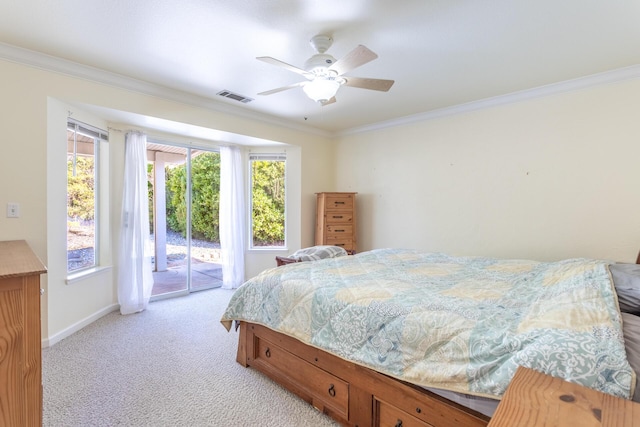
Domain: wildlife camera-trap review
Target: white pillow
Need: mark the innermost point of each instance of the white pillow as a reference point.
(318, 252)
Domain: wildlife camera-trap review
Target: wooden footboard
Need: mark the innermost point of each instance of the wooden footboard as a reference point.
(349, 393)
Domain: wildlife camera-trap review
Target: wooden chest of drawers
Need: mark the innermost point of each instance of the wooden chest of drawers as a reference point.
(534, 399)
(336, 220)
(20, 336)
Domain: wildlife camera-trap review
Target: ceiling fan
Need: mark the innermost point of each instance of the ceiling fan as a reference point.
(325, 74)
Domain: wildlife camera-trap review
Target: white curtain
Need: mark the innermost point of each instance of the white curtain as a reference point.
(232, 217)
(135, 279)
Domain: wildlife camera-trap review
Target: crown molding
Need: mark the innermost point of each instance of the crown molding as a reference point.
(55, 64)
(614, 76)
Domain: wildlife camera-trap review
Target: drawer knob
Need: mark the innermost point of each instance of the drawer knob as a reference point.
(332, 390)
(399, 423)
(418, 410)
(267, 352)
(337, 216)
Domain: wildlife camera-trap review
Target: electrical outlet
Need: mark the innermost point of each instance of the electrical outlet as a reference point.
(13, 210)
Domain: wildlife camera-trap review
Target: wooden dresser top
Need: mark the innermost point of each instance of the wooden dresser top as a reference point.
(535, 400)
(17, 259)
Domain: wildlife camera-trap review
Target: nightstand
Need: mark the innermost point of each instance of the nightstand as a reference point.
(535, 400)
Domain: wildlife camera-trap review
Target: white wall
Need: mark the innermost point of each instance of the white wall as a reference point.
(33, 111)
(547, 178)
(94, 295)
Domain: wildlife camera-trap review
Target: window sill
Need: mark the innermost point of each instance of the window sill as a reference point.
(85, 274)
(268, 249)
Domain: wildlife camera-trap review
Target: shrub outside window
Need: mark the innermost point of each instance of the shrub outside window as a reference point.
(267, 200)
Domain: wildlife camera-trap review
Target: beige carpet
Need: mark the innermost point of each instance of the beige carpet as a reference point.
(172, 365)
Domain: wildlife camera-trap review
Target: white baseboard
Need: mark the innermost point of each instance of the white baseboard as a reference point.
(79, 325)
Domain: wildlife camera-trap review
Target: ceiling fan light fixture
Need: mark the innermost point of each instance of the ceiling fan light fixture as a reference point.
(325, 74)
(320, 89)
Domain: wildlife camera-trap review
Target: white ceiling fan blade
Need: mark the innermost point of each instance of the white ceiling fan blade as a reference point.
(277, 62)
(280, 89)
(328, 101)
(357, 57)
(366, 83)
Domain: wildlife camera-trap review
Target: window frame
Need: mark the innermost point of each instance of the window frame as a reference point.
(98, 136)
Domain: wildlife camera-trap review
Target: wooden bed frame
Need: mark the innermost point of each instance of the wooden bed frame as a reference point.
(351, 394)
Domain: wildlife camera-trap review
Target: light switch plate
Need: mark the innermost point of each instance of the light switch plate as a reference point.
(13, 210)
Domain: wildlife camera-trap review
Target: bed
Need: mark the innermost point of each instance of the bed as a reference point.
(400, 336)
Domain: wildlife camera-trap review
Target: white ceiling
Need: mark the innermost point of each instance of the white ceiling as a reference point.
(440, 53)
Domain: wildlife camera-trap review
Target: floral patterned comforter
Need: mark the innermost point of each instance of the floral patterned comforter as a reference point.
(460, 324)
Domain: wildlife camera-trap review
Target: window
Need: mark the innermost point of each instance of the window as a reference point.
(267, 200)
(83, 144)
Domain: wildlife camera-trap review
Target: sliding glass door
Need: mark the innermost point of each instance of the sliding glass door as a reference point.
(183, 202)
(206, 267)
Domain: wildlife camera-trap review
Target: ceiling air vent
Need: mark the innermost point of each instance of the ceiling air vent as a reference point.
(229, 94)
